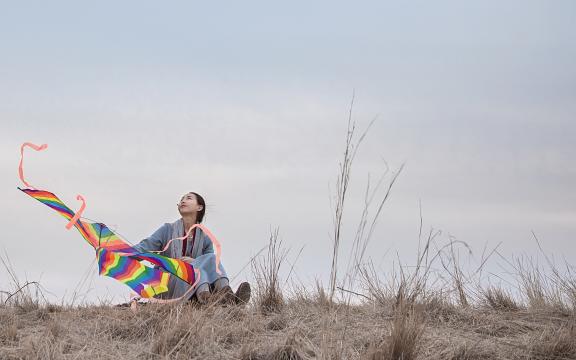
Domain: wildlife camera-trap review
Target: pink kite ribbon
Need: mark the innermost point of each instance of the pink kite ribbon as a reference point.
(74, 219)
(215, 242)
(20, 166)
(78, 214)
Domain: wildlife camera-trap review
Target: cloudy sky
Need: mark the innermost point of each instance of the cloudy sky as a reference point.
(247, 104)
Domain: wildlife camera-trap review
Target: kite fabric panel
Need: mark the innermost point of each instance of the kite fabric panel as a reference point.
(144, 280)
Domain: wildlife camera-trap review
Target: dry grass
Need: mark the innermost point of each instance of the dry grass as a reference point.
(403, 342)
(499, 299)
(268, 295)
(406, 314)
(299, 330)
(467, 351)
(554, 343)
(431, 310)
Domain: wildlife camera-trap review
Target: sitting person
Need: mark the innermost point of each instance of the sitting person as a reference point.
(197, 250)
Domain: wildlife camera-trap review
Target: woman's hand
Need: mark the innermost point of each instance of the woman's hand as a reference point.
(187, 259)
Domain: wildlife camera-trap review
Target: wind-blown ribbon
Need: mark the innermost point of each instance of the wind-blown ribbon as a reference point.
(215, 242)
(20, 166)
(78, 214)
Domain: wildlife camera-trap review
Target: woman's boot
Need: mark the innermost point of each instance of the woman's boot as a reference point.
(225, 295)
(243, 293)
(203, 297)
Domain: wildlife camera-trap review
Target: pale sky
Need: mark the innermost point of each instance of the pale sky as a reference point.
(246, 103)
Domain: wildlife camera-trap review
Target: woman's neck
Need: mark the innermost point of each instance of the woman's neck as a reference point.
(189, 221)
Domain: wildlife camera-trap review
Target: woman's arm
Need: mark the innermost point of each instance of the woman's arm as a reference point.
(154, 242)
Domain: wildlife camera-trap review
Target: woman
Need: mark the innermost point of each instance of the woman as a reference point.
(197, 250)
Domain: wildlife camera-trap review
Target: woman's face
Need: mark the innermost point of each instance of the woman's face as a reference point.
(189, 205)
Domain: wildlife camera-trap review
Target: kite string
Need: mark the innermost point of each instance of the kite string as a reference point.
(21, 165)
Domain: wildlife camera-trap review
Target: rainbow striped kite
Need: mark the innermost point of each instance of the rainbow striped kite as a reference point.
(116, 258)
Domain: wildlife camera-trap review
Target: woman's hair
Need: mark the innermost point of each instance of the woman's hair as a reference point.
(200, 200)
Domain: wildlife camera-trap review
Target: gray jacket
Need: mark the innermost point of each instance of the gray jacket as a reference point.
(158, 240)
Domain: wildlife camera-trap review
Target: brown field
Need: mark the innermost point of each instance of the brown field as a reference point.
(403, 321)
(435, 309)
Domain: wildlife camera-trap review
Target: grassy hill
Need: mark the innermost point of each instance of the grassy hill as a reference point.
(407, 321)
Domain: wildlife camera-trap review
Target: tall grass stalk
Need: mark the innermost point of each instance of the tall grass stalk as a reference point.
(367, 223)
(268, 293)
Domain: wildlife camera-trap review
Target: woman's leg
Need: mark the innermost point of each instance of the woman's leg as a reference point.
(215, 277)
(221, 283)
(203, 293)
